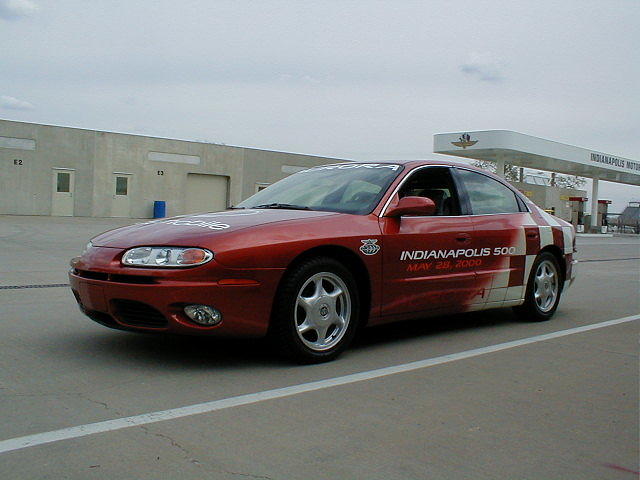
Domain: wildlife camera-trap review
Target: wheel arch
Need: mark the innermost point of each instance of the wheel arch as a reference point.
(351, 261)
(559, 255)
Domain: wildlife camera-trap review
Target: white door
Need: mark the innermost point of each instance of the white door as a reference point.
(62, 195)
(121, 207)
(206, 193)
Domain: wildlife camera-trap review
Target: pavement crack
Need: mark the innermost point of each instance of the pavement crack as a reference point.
(191, 459)
(599, 349)
(104, 405)
(248, 475)
(174, 443)
(618, 353)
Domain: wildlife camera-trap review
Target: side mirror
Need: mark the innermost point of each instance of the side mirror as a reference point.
(418, 206)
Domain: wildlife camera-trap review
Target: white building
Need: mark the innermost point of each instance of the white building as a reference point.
(50, 170)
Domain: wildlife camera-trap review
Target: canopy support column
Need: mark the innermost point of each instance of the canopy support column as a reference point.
(500, 166)
(595, 225)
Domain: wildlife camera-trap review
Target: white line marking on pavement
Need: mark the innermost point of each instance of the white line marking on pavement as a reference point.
(19, 443)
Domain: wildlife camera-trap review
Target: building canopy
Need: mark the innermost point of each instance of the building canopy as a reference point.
(537, 153)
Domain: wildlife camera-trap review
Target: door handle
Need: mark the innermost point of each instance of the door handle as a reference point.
(463, 237)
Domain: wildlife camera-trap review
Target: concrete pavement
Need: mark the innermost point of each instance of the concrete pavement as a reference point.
(562, 408)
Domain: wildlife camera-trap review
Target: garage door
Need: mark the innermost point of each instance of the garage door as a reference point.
(206, 193)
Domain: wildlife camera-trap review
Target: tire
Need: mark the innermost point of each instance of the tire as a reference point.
(316, 311)
(544, 288)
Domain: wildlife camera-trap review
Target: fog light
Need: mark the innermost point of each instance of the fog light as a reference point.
(203, 314)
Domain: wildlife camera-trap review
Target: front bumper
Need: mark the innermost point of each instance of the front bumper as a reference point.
(122, 302)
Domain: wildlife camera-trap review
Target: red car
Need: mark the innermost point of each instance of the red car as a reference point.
(312, 257)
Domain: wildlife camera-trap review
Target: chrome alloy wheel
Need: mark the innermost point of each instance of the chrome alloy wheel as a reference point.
(546, 286)
(322, 311)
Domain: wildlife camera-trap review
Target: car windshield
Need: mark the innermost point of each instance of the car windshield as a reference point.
(347, 188)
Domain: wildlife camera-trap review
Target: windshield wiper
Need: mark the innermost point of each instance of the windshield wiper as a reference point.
(284, 206)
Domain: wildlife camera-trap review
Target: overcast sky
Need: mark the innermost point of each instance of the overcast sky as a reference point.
(349, 79)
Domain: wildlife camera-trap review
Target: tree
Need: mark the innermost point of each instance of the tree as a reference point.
(569, 181)
(512, 174)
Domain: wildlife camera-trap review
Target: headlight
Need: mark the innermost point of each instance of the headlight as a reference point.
(171, 257)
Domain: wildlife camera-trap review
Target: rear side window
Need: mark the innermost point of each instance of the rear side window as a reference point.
(487, 195)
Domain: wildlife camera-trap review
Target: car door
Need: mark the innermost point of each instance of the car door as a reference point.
(425, 263)
(498, 220)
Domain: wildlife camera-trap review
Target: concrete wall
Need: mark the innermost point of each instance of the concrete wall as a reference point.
(155, 180)
(26, 175)
(95, 156)
(263, 166)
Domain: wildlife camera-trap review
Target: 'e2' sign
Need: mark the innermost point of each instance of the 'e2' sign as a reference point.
(17, 161)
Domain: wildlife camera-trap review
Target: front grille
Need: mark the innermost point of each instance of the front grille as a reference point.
(92, 275)
(114, 277)
(138, 314)
(139, 279)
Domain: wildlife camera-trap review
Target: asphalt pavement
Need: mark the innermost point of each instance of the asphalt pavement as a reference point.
(555, 407)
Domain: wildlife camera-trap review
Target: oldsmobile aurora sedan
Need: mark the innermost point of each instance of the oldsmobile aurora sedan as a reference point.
(322, 252)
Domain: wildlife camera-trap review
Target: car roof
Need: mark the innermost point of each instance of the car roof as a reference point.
(411, 164)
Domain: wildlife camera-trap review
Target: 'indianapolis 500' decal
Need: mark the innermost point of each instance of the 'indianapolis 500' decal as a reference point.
(461, 252)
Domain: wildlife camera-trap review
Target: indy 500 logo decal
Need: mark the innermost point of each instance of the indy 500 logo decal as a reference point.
(370, 246)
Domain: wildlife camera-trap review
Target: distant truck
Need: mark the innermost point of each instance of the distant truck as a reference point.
(630, 218)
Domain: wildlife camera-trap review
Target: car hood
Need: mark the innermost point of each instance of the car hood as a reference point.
(197, 229)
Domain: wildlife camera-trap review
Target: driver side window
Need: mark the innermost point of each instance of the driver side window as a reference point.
(434, 183)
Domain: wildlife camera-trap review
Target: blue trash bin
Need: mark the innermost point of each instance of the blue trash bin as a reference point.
(159, 209)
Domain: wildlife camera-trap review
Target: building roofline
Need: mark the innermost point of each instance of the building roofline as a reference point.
(170, 138)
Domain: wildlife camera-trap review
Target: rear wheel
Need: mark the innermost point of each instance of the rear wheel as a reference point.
(316, 311)
(543, 289)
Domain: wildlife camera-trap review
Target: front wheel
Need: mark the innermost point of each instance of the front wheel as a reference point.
(543, 289)
(316, 311)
